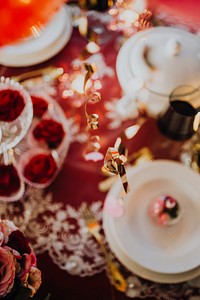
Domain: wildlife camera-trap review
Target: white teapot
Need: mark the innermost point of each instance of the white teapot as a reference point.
(153, 62)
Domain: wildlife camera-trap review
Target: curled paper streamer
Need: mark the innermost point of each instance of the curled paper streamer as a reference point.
(93, 145)
(85, 30)
(114, 162)
(90, 68)
(92, 119)
(92, 149)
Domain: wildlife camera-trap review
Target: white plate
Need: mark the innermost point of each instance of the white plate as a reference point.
(163, 250)
(36, 50)
(139, 270)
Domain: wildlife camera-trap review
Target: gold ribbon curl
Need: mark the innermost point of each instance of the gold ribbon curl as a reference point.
(114, 162)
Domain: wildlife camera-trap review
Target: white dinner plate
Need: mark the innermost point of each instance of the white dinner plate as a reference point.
(36, 50)
(168, 252)
(139, 270)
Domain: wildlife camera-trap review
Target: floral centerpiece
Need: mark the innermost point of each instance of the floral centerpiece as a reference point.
(19, 276)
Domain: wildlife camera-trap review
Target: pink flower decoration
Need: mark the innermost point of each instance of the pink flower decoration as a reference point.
(17, 260)
(7, 271)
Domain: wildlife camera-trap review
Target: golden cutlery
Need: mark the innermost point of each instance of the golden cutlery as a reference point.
(49, 73)
(94, 229)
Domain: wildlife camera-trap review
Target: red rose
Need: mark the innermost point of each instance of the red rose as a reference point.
(18, 242)
(11, 105)
(49, 132)
(39, 106)
(9, 180)
(40, 168)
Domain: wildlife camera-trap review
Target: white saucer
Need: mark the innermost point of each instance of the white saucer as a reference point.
(36, 50)
(164, 254)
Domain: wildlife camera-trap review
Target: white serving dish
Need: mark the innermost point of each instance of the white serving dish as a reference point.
(36, 50)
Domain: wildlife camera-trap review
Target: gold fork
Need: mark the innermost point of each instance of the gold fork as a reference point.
(94, 229)
(142, 156)
(48, 72)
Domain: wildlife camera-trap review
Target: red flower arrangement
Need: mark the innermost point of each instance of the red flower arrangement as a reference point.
(18, 271)
(39, 106)
(11, 105)
(40, 169)
(49, 132)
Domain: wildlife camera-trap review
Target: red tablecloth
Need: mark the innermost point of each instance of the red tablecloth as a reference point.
(78, 180)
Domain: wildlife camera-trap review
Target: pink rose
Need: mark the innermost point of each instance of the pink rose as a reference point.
(7, 271)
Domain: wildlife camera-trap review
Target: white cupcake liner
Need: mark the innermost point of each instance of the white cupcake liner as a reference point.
(56, 113)
(14, 131)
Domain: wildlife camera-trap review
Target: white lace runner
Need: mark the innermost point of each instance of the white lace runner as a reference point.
(58, 229)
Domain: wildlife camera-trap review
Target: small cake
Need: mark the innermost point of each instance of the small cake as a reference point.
(165, 210)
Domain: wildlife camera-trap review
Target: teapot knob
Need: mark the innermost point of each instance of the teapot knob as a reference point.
(173, 47)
